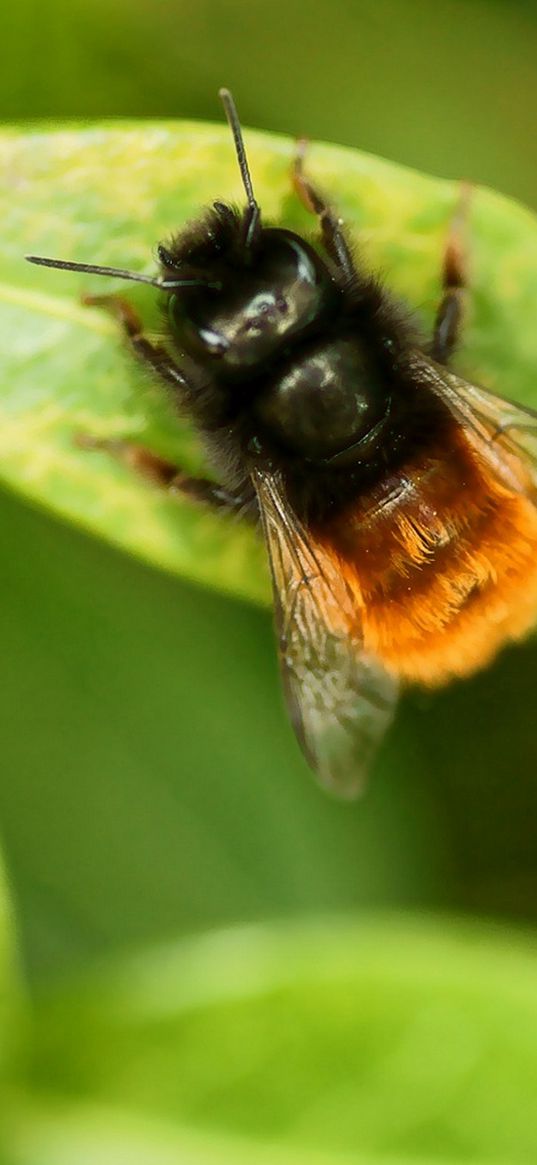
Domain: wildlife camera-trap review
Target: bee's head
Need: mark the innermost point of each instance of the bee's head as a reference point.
(251, 288)
(237, 291)
(243, 306)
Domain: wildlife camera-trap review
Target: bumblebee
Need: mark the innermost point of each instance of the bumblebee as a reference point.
(398, 502)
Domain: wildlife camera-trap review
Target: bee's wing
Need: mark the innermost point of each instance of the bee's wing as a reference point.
(504, 434)
(340, 700)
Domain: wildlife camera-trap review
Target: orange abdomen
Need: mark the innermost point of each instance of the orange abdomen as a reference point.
(442, 559)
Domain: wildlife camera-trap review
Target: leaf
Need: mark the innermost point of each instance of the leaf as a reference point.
(109, 194)
(392, 1041)
(12, 1011)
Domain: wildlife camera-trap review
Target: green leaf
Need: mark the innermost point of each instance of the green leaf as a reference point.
(12, 1023)
(398, 1041)
(108, 194)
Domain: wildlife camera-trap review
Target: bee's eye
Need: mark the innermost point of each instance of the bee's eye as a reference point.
(329, 402)
(285, 292)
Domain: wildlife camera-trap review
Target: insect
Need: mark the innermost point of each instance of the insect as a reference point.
(398, 502)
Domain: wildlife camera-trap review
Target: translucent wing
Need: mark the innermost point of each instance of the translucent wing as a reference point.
(340, 700)
(503, 433)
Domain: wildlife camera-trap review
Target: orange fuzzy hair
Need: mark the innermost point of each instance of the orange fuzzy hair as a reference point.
(442, 560)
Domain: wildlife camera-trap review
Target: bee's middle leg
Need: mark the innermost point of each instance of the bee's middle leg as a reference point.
(170, 477)
(452, 307)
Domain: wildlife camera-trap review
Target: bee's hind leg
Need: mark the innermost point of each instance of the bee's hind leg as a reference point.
(452, 306)
(331, 226)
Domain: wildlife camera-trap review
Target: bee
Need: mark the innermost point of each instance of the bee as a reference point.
(398, 502)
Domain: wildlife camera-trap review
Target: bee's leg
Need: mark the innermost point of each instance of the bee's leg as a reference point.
(154, 468)
(153, 355)
(331, 226)
(451, 310)
(167, 475)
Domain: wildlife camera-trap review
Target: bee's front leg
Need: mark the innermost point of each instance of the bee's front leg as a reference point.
(152, 355)
(451, 309)
(331, 225)
(144, 461)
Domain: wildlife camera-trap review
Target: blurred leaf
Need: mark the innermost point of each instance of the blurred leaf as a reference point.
(70, 1134)
(394, 1041)
(9, 980)
(150, 783)
(108, 194)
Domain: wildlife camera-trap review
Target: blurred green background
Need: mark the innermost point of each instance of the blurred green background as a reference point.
(150, 786)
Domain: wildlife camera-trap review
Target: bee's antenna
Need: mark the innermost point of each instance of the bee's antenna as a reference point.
(254, 212)
(133, 276)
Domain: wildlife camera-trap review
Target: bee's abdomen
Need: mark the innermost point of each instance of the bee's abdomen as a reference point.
(444, 566)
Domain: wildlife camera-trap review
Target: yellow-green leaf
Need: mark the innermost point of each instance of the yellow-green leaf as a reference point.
(108, 194)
